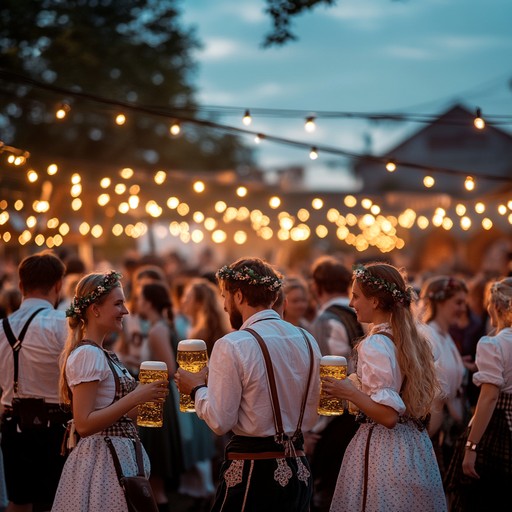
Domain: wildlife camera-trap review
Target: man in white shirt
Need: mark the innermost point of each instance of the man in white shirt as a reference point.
(336, 329)
(32, 460)
(261, 471)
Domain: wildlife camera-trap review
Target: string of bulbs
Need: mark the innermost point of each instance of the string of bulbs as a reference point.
(179, 116)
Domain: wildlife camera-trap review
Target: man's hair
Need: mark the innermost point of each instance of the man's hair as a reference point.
(331, 275)
(40, 271)
(261, 293)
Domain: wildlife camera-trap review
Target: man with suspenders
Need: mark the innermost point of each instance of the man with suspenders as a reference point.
(33, 423)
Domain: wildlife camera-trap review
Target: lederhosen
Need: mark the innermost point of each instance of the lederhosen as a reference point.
(267, 473)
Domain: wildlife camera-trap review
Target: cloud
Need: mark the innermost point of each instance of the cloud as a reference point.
(408, 52)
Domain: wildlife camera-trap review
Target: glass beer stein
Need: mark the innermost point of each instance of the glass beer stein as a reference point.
(192, 356)
(336, 367)
(150, 414)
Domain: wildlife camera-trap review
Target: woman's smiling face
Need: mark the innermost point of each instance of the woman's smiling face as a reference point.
(363, 306)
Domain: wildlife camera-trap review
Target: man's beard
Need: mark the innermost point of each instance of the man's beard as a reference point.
(235, 317)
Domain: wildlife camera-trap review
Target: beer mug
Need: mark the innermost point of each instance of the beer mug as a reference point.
(192, 356)
(336, 367)
(150, 414)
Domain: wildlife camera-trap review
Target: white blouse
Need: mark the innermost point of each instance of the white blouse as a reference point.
(88, 363)
(494, 360)
(378, 369)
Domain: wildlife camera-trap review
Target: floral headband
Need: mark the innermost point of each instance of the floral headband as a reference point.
(80, 304)
(248, 274)
(360, 272)
(450, 287)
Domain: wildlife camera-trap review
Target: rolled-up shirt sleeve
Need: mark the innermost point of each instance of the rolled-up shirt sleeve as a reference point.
(489, 362)
(219, 403)
(379, 372)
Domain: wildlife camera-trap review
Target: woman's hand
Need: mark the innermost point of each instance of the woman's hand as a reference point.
(468, 464)
(337, 388)
(155, 391)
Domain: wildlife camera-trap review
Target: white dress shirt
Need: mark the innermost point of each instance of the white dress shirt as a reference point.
(38, 368)
(238, 395)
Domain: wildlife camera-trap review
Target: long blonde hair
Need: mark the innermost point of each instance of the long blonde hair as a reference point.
(414, 354)
(77, 323)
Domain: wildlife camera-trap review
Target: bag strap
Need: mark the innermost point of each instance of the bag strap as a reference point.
(274, 398)
(117, 464)
(16, 342)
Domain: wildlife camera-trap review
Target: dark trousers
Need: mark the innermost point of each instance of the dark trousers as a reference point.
(327, 457)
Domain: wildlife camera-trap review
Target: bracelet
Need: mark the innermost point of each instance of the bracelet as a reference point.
(471, 446)
(194, 390)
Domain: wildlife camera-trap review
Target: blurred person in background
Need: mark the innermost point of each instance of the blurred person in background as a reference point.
(443, 303)
(163, 444)
(336, 329)
(135, 330)
(201, 303)
(296, 301)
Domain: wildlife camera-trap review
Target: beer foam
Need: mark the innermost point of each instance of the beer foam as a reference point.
(333, 361)
(153, 365)
(191, 345)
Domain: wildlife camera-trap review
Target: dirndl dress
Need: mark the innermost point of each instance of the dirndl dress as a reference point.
(89, 480)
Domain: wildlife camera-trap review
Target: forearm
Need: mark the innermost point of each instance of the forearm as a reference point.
(99, 420)
(382, 414)
(483, 411)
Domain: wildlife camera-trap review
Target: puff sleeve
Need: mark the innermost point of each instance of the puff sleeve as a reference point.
(489, 361)
(86, 364)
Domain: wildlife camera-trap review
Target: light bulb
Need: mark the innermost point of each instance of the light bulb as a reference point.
(313, 154)
(247, 119)
(478, 121)
(469, 184)
(310, 125)
(391, 166)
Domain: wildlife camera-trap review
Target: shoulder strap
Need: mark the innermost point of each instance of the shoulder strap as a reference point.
(117, 464)
(109, 361)
(16, 342)
(278, 420)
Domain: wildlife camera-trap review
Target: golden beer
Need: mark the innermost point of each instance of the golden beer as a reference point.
(150, 414)
(336, 367)
(192, 356)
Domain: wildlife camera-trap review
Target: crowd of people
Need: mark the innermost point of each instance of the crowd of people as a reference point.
(429, 386)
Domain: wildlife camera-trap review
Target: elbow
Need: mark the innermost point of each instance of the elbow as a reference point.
(390, 423)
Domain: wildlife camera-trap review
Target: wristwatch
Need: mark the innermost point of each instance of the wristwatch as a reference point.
(471, 446)
(193, 392)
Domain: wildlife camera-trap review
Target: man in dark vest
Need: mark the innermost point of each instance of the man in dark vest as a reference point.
(336, 329)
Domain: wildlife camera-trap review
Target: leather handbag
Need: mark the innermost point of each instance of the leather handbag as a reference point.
(137, 489)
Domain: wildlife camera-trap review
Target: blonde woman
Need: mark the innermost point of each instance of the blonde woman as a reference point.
(480, 471)
(390, 462)
(103, 404)
(444, 301)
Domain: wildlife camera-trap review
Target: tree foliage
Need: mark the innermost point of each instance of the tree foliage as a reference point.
(134, 51)
(282, 13)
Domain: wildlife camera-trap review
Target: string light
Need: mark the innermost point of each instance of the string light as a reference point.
(391, 166)
(62, 111)
(120, 119)
(313, 154)
(175, 129)
(469, 184)
(310, 125)
(247, 119)
(258, 138)
(478, 121)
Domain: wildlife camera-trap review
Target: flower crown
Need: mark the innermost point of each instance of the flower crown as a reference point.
(80, 304)
(361, 273)
(248, 274)
(450, 287)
